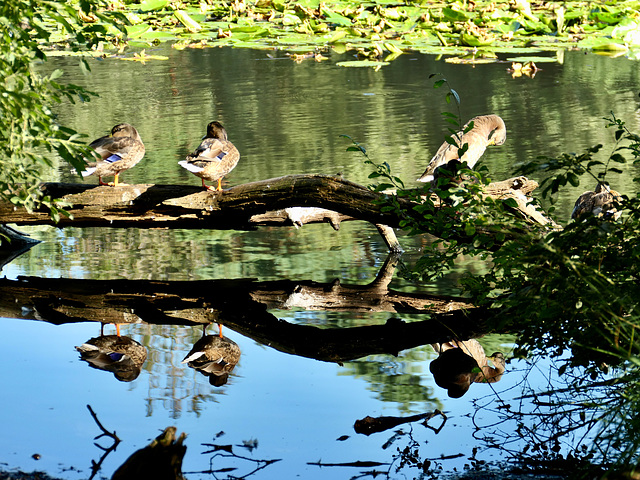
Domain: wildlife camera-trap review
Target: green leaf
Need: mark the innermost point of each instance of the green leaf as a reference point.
(510, 202)
(362, 63)
(153, 5)
(469, 229)
(454, 15)
(573, 179)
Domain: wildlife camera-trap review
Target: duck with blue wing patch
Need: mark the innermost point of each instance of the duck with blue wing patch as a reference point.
(118, 152)
(214, 158)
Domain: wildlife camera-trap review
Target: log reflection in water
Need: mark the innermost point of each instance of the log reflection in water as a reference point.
(242, 305)
(160, 460)
(369, 425)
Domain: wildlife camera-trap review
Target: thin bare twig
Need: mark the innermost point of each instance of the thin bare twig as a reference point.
(96, 466)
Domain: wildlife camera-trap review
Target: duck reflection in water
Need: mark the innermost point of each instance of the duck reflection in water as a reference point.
(459, 364)
(215, 356)
(121, 355)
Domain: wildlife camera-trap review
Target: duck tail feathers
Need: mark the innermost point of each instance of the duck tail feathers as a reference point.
(88, 171)
(192, 357)
(190, 166)
(425, 178)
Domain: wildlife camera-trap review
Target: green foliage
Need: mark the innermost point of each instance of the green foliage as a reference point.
(574, 288)
(382, 30)
(571, 293)
(29, 134)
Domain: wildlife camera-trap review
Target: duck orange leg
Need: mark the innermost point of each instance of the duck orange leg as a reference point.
(116, 181)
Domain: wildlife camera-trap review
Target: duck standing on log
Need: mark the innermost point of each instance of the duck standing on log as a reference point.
(487, 130)
(214, 158)
(119, 152)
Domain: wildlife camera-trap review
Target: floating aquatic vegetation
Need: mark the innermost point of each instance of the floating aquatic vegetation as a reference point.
(384, 26)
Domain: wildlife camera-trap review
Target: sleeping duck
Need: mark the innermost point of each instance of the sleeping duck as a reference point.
(214, 158)
(215, 356)
(603, 202)
(119, 152)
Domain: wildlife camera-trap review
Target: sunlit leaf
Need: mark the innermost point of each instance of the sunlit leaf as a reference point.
(190, 24)
(454, 15)
(362, 63)
(153, 5)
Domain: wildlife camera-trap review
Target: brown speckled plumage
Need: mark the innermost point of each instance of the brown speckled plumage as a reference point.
(487, 130)
(119, 151)
(214, 158)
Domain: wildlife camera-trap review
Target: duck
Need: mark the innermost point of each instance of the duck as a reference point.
(487, 130)
(121, 355)
(215, 356)
(600, 203)
(214, 158)
(119, 151)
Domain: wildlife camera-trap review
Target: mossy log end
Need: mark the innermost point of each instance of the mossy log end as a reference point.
(289, 200)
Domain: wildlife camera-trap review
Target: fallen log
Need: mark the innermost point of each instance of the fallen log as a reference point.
(290, 200)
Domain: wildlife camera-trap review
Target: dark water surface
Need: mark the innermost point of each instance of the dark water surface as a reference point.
(284, 118)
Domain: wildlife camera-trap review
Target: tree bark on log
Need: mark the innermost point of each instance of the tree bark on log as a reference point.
(290, 200)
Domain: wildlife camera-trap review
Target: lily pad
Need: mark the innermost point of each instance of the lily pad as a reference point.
(470, 60)
(362, 63)
(535, 59)
(136, 31)
(152, 5)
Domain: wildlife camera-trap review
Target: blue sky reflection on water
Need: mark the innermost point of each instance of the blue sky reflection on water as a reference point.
(296, 408)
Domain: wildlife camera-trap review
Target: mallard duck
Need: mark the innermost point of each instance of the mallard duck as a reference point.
(119, 152)
(600, 203)
(487, 130)
(121, 355)
(215, 356)
(214, 158)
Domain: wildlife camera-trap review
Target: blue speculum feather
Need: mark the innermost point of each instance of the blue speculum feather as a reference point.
(113, 158)
(221, 155)
(116, 357)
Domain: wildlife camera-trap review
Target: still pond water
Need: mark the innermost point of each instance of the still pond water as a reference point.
(284, 118)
